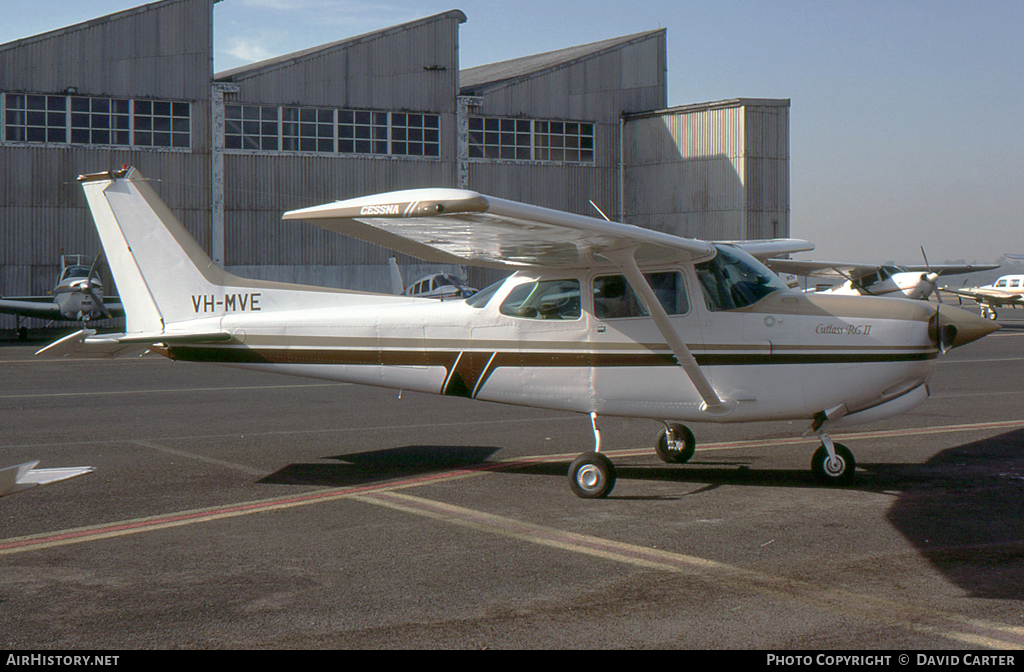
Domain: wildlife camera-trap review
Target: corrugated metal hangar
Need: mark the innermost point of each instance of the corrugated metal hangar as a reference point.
(377, 112)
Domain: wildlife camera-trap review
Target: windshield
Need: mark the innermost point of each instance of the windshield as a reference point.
(734, 279)
(480, 299)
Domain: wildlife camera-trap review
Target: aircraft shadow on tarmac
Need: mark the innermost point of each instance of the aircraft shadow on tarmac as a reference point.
(963, 510)
(382, 465)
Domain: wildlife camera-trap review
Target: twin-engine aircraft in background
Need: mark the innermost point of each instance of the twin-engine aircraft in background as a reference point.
(1006, 291)
(77, 296)
(911, 282)
(598, 318)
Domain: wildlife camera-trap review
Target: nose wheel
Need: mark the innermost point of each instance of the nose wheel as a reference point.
(833, 463)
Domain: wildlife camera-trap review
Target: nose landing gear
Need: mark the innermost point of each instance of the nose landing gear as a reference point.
(832, 463)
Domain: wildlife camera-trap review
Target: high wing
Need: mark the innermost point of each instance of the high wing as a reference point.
(764, 250)
(843, 270)
(950, 269)
(451, 226)
(833, 270)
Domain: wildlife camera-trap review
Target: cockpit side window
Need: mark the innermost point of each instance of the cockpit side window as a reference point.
(734, 279)
(544, 300)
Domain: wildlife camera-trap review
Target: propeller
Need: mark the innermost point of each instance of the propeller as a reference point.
(90, 288)
(943, 334)
(930, 279)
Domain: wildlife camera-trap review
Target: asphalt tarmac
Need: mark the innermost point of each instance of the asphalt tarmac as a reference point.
(232, 509)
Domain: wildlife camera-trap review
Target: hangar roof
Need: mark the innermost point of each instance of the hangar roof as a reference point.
(261, 67)
(483, 78)
(91, 23)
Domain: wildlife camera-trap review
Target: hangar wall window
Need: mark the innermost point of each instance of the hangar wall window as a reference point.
(251, 127)
(159, 123)
(531, 140)
(308, 129)
(362, 132)
(32, 118)
(101, 121)
(86, 120)
(415, 134)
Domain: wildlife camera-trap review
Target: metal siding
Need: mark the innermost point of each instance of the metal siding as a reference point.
(258, 188)
(717, 173)
(386, 72)
(162, 49)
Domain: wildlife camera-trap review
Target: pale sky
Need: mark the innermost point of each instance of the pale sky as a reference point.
(905, 121)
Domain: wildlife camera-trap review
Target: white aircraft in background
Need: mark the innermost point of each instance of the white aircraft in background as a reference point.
(434, 286)
(25, 476)
(599, 318)
(76, 296)
(1006, 291)
(911, 282)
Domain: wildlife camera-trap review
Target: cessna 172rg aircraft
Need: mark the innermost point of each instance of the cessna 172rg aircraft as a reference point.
(599, 318)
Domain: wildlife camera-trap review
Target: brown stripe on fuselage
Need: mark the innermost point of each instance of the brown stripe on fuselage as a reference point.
(466, 372)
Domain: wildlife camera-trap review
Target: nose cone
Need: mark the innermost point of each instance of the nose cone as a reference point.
(953, 327)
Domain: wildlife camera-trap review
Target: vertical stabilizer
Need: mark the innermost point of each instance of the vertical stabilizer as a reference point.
(397, 284)
(156, 263)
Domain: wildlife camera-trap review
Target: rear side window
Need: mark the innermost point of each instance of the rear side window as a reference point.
(614, 297)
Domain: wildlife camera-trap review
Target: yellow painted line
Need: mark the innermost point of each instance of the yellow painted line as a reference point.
(980, 633)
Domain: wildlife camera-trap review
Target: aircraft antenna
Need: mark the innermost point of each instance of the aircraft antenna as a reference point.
(600, 211)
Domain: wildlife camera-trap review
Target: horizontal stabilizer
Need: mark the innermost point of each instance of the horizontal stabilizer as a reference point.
(87, 343)
(26, 476)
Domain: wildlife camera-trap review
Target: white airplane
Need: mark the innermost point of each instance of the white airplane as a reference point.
(25, 476)
(1006, 291)
(434, 286)
(911, 282)
(77, 296)
(599, 318)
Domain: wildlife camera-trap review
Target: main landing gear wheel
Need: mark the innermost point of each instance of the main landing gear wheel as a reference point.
(838, 471)
(679, 449)
(989, 314)
(591, 476)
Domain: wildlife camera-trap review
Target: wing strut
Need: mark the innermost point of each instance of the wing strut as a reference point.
(713, 404)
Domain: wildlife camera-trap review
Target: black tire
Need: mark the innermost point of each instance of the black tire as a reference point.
(671, 455)
(840, 473)
(591, 476)
(22, 333)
